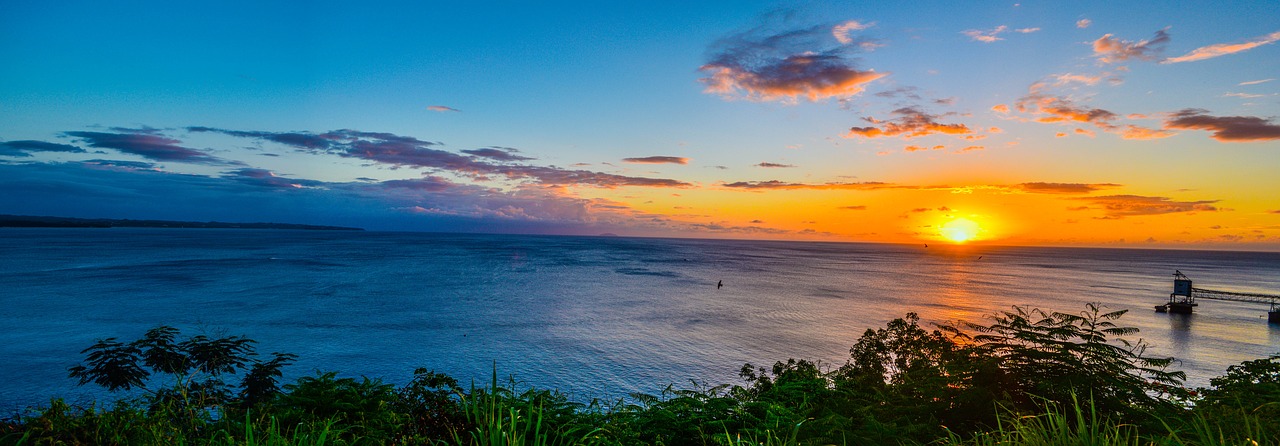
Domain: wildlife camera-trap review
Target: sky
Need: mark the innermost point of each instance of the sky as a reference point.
(1129, 124)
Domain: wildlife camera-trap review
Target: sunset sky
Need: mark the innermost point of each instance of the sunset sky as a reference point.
(1036, 123)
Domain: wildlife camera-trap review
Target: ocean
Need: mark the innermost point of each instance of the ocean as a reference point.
(590, 316)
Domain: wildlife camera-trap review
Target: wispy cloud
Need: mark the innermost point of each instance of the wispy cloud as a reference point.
(1083, 23)
(761, 65)
(407, 151)
(780, 185)
(776, 165)
(1222, 49)
(920, 148)
(1131, 131)
(1063, 188)
(841, 31)
(147, 145)
(657, 160)
(1224, 128)
(268, 179)
(498, 153)
(853, 208)
(442, 109)
(24, 148)
(1119, 206)
(1109, 49)
(909, 122)
(1259, 81)
(991, 35)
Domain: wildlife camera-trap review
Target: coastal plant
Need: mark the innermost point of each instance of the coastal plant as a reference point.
(1052, 356)
(1026, 377)
(690, 416)
(1075, 424)
(359, 408)
(904, 380)
(183, 379)
(497, 415)
(430, 405)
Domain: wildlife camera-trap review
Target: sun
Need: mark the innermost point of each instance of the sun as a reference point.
(960, 230)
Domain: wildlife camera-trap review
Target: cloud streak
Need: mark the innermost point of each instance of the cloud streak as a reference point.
(1119, 206)
(1222, 49)
(24, 148)
(1064, 188)
(405, 151)
(147, 145)
(781, 185)
(657, 160)
(1224, 128)
(498, 153)
(990, 36)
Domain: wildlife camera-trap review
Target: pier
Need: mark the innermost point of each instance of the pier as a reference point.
(1183, 298)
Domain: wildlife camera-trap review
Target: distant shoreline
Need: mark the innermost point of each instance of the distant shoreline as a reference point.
(29, 221)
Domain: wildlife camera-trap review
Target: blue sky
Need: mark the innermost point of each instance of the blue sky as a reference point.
(1141, 96)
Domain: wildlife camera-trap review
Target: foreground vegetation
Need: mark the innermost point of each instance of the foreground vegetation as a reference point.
(1024, 377)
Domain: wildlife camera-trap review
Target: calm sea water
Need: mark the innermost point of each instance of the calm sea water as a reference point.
(592, 316)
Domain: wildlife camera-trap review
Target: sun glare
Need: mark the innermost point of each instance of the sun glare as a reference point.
(960, 230)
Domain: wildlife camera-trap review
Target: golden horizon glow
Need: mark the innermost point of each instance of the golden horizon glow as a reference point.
(960, 230)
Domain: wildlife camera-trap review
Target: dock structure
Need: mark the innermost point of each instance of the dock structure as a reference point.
(1183, 298)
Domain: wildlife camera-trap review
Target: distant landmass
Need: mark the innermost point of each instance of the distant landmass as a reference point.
(28, 221)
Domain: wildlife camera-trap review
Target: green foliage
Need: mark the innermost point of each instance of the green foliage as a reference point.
(1018, 379)
(111, 364)
(1058, 426)
(195, 368)
(1053, 356)
(430, 406)
(1242, 405)
(497, 415)
(363, 408)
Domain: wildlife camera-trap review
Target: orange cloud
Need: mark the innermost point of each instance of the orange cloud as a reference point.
(1063, 188)
(918, 148)
(1000, 108)
(853, 208)
(657, 160)
(910, 123)
(1224, 128)
(1222, 49)
(810, 76)
(1083, 23)
(1119, 206)
(1109, 49)
(1143, 133)
(441, 108)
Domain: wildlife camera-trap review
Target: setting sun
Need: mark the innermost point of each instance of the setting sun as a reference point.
(960, 230)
